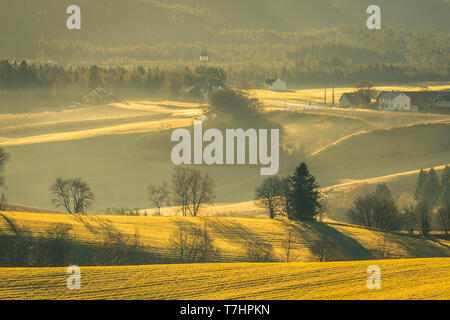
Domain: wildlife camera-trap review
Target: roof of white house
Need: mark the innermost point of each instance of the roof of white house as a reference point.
(390, 94)
(272, 81)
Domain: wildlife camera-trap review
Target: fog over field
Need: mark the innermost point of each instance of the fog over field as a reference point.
(113, 147)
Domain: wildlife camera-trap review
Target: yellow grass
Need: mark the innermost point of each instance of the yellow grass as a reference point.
(171, 115)
(318, 94)
(400, 279)
(230, 233)
(147, 126)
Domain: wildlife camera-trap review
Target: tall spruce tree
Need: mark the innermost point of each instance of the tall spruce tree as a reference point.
(420, 183)
(431, 189)
(383, 190)
(303, 195)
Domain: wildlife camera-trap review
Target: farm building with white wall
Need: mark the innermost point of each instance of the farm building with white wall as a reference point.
(276, 85)
(394, 101)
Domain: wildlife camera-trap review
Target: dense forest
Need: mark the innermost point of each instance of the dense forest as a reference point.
(343, 54)
(113, 23)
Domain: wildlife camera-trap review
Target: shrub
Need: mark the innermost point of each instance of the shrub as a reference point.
(56, 245)
(326, 250)
(193, 243)
(259, 251)
(121, 249)
(377, 211)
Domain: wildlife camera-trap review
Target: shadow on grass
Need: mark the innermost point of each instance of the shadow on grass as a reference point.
(12, 226)
(312, 230)
(420, 247)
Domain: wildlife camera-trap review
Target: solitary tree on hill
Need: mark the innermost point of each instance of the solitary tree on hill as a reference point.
(271, 195)
(74, 195)
(191, 189)
(303, 195)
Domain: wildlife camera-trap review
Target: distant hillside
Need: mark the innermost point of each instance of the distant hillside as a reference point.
(382, 152)
(125, 22)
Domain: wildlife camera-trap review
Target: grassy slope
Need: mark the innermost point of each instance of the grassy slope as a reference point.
(90, 142)
(400, 279)
(383, 152)
(317, 95)
(231, 234)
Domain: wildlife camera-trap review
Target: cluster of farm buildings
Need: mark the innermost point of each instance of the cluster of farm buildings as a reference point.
(436, 101)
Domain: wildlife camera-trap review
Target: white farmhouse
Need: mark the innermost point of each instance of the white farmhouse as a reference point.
(394, 101)
(276, 85)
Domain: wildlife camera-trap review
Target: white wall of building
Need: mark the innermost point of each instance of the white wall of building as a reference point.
(278, 85)
(401, 102)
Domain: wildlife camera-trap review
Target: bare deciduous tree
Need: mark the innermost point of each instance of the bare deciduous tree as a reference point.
(57, 244)
(423, 213)
(158, 196)
(443, 218)
(3, 202)
(409, 218)
(73, 194)
(192, 243)
(191, 189)
(326, 250)
(375, 211)
(259, 251)
(271, 195)
(4, 158)
(289, 244)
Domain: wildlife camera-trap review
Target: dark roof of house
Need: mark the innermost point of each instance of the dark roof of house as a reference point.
(355, 98)
(270, 81)
(390, 94)
(444, 94)
(416, 94)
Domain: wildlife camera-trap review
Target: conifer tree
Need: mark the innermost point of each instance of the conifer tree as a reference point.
(383, 190)
(303, 195)
(431, 189)
(419, 184)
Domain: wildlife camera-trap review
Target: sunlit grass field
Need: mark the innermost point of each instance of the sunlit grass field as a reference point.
(230, 234)
(317, 95)
(400, 279)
